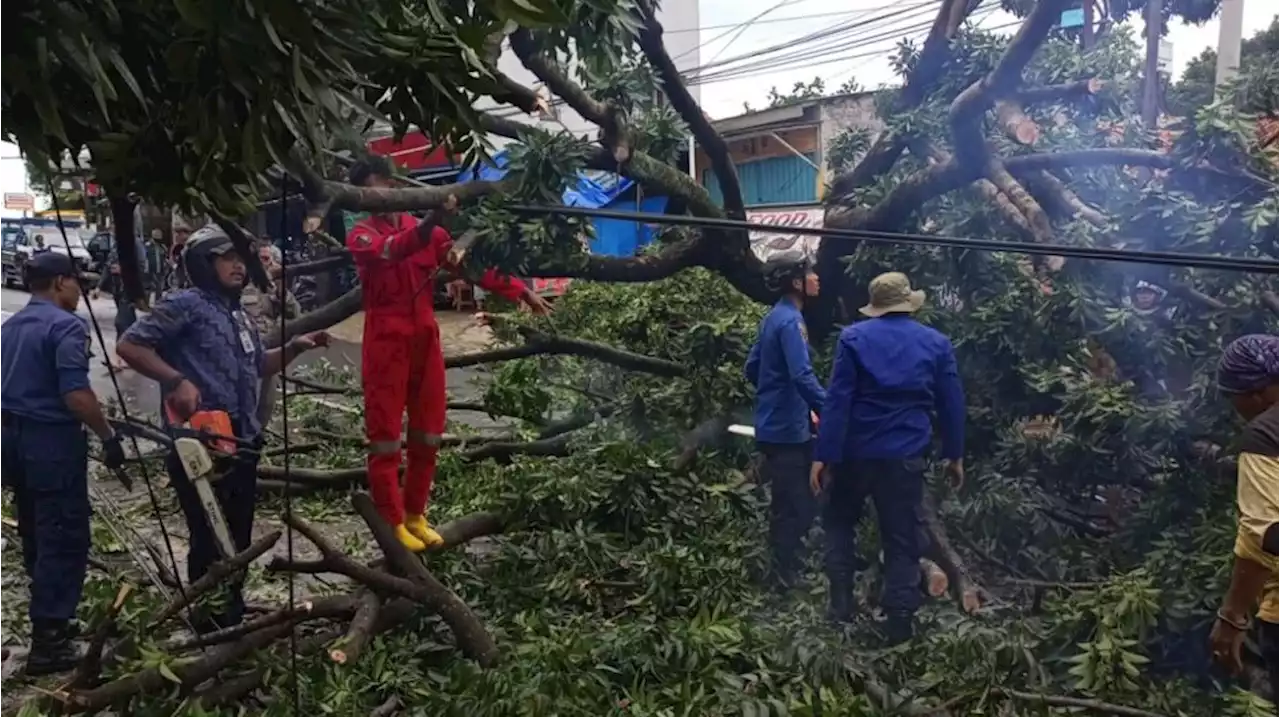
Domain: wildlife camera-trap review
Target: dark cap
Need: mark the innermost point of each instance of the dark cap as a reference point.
(50, 264)
(373, 165)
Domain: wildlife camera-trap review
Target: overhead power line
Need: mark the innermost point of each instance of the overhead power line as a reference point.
(825, 56)
(840, 31)
(1133, 256)
(768, 21)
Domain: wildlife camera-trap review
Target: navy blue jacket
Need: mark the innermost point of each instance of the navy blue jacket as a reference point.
(780, 369)
(889, 374)
(45, 357)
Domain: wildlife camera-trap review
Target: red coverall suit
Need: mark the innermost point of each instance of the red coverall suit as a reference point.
(403, 365)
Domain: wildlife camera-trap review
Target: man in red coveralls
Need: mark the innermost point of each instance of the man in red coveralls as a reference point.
(403, 366)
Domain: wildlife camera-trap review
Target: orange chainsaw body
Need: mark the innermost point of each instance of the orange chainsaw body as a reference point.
(217, 423)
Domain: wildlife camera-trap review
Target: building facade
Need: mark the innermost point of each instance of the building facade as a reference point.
(781, 157)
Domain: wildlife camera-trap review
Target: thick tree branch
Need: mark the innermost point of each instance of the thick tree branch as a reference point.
(923, 77)
(1060, 93)
(609, 118)
(1016, 124)
(359, 632)
(989, 192)
(1041, 228)
(122, 229)
(383, 200)
(965, 591)
(473, 639)
(217, 574)
(540, 344)
(1067, 203)
(967, 108)
(330, 314)
(1076, 703)
(705, 135)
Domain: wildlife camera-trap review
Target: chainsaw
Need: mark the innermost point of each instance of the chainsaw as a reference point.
(195, 438)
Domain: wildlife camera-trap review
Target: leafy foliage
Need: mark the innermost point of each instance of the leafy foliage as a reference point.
(1256, 93)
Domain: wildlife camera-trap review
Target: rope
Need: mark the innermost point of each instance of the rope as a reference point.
(124, 411)
(281, 288)
(1134, 256)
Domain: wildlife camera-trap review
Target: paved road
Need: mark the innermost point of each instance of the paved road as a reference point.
(140, 394)
(143, 396)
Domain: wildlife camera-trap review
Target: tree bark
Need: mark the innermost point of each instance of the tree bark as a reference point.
(348, 649)
(473, 639)
(217, 574)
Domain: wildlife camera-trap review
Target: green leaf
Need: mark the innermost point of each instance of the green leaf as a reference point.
(113, 56)
(271, 33)
(167, 673)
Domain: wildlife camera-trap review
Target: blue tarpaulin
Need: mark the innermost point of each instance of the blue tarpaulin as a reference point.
(594, 190)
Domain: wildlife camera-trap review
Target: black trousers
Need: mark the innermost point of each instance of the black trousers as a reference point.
(237, 494)
(46, 465)
(896, 487)
(792, 506)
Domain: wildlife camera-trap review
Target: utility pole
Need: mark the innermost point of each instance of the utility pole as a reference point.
(1151, 79)
(1230, 28)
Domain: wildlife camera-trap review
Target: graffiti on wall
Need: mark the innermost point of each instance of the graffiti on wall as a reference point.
(765, 243)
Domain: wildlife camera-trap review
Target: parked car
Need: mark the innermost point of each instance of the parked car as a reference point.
(22, 239)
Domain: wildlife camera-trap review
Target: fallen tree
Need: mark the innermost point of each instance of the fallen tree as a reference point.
(382, 600)
(633, 580)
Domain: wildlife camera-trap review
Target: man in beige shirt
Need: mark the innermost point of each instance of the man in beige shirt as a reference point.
(1248, 373)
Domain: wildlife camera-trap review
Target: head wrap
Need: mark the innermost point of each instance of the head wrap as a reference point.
(1249, 363)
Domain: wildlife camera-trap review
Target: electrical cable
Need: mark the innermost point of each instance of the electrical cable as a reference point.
(815, 55)
(281, 289)
(841, 31)
(1165, 258)
(830, 34)
(124, 412)
(739, 29)
(767, 70)
(771, 21)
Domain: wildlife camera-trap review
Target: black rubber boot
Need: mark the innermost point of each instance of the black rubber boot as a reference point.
(899, 627)
(51, 650)
(840, 600)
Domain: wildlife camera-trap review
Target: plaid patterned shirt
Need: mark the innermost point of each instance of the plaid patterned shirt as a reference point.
(210, 341)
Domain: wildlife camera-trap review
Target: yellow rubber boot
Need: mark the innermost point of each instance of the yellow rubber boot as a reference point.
(417, 525)
(408, 540)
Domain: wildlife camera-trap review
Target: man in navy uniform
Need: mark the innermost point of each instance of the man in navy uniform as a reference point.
(47, 403)
(788, 399)
(890, 372)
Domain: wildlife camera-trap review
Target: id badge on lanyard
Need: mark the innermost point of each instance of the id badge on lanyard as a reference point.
(246, 339)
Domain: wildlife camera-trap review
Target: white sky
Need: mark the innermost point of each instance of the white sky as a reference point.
(789, 19)
(725, 98)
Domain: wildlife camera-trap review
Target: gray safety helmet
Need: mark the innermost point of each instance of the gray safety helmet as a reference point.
(783, 269)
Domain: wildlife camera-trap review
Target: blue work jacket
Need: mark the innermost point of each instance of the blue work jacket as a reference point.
(780, 369)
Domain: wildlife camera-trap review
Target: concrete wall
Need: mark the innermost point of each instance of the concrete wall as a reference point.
(843, 113)
(810, 127)
(679, 16)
